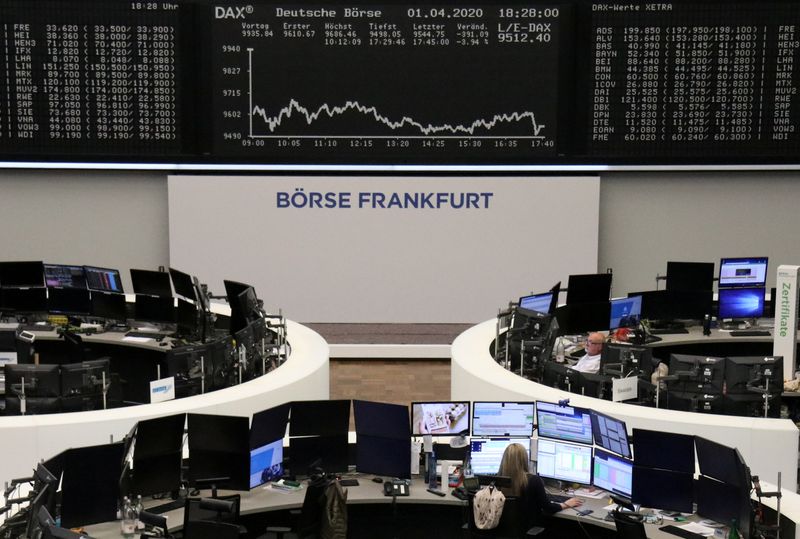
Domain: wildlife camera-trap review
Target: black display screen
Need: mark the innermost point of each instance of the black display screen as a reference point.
(581, 82)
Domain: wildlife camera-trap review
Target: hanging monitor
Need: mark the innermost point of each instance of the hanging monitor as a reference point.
(21, 274)
(689, 276)
(502, 419)
(743, 272)
(439, 418)
(568, 423)
(591, 288)
(611, 434)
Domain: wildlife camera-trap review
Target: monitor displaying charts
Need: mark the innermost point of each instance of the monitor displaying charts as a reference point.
(537, 302)
(564, 461)
(612, 473)
(568, 423)
(611, 434)
(502, 419)
(485, 454)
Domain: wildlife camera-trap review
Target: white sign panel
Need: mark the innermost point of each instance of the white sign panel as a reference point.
(162, 390)
(785, 339)
(385, 249)
(623, 389)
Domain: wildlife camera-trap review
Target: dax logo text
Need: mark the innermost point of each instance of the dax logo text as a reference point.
(231, 12)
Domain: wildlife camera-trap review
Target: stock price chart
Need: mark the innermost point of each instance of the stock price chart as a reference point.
(393, 83)
(78, 78)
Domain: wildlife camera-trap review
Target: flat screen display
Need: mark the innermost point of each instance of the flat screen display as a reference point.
(154, 283)
(63, 276)
(625, 312)
(662, 489)
(485, 454)
(745, 272)
(741, 302)
(568, 423)
(665, 450)
(103, 279)
(21, 274)
(439, 418)
(537, 302)
(502, 419)
(564, 461)
(266, 463)
(612, 473)
(591, 288)
(611, 434)
(690, 276)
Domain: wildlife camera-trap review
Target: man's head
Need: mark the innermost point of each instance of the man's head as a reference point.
(594, 343)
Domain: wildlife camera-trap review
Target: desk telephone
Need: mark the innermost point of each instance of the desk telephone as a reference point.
(396, 487)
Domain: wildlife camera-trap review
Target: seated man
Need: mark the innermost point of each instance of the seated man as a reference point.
(594, 348)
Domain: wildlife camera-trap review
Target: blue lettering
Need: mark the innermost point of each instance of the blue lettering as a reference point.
(283, 199)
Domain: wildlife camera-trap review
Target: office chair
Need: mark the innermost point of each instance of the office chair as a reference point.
(512, 522)
(628, 527)
(207, 529)
(224, 509)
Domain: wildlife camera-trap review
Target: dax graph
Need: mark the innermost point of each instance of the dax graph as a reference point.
(395, 84)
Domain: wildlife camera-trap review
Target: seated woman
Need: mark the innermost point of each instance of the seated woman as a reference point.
(529, 487)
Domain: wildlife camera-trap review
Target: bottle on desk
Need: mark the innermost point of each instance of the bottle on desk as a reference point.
(733, 532)
(127, 521)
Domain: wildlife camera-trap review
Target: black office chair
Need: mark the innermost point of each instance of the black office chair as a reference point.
(628, 527)
(512, 523)
(224, 509)
(207, 529)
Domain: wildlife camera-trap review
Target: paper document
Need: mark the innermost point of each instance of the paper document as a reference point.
(696, 527)
(137, 339)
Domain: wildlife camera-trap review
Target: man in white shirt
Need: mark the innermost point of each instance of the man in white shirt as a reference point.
(594, 349)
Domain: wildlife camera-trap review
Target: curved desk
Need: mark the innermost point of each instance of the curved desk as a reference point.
(768, 446)
(303, 376)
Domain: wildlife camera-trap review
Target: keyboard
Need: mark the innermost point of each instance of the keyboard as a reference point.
(147, 335)
(166, 507)
(36, 327)
(680, 532)
(669, 331)
(750, 333)
(558, 498)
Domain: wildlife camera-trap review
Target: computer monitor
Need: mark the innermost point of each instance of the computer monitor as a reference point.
(622, 360)
(568, 423)
(537, 302)
(439, 418)
(153, 283)
(269, 425)
(721, 502)
(187, 318)
(612, 473)
(103, 279)
(663, 450)
(90, 485)
(108, 305)
(266, 463)
(561, 376)
(383, 439)
(662, 489)
(697, 373)
(34, 527)
(655, 304)
(69, 301)
(183, 284)
(485, 454)
(503, 419)
(688, 304)
(222, 356)
(591, 288)
(721, 462)
(83, 382)
(157, 454)
(158, 309)
(64, 276)
(564, 461)
(21, 274)
(23, 300)
(314, 418)
(741, 302)
(330, 453)
(219, 449)
(40, 381)
(233, 290)
(689, 276)
(744, 272)
(625, 312)
(583, 317)
(611, 434)
(598, 386)
(763, 373)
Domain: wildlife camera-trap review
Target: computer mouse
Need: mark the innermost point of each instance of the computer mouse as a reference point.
(377, 480)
